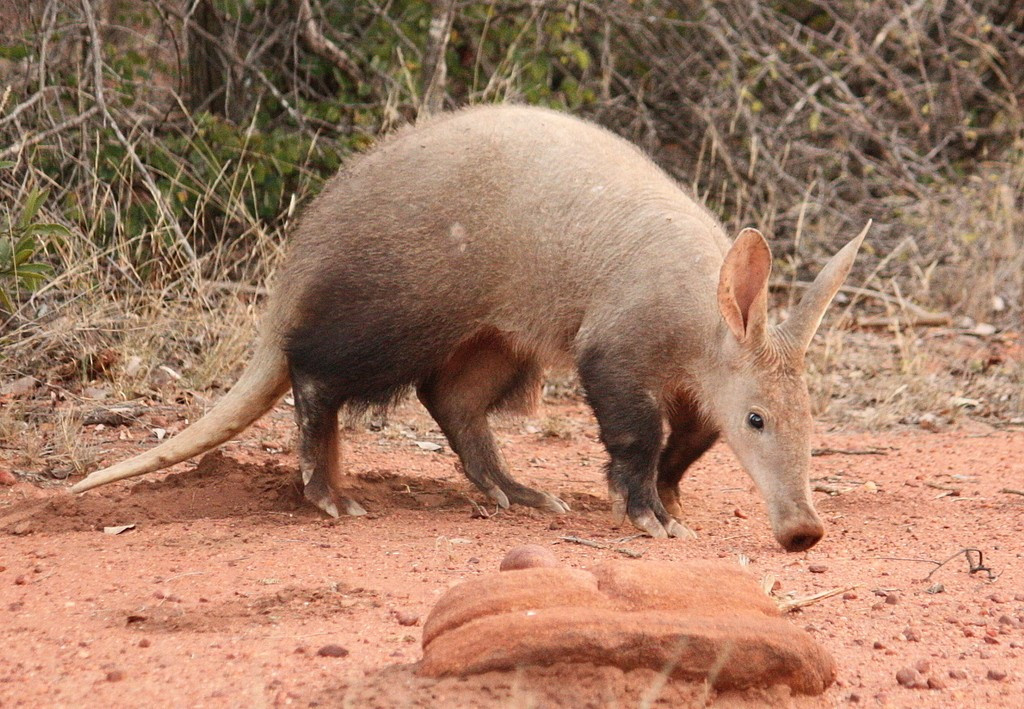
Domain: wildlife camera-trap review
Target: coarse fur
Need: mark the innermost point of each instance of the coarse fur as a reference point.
(464, 255)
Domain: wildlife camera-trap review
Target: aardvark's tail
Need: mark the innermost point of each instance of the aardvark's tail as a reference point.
(264, 381)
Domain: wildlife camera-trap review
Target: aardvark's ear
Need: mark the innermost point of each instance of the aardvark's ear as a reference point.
(743, 286)
(806, 317)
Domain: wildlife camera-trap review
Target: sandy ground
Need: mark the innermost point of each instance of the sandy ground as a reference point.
(228, 588)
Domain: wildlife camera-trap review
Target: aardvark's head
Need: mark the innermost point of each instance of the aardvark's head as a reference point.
(758, 397)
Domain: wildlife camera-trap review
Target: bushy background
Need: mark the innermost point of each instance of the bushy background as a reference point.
(154, 153)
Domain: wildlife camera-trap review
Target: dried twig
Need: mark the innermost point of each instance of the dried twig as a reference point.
(1011, 491)
(31, 140)
(601, 545)
(319, 44)
(96, 50)
(917, 314)
(850, 451)
(947, 488)
(435, 69)
(790, 605)
(974, 566)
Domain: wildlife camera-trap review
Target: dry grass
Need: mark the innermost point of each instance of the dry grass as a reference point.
(169, 251)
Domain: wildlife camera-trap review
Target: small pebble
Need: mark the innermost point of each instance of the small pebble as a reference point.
(145, 642)
(912, 636)
(922, 666)
(739, 513)
(936, 682)
(910, 678)
(991, 640)
(528, 556)
(892, 598)
(20, 580)
(115, 675)
(878, 645)
(332, 651)
(999, 598)
(406, 618)
(817, 568)
(958, 674)
(997, 675)
(849, 596)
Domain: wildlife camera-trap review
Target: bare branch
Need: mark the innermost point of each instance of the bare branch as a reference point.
(317, 43)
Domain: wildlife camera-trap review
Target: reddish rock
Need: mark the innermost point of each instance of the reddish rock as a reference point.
(817, 568)
(524, 590)
(696, 587)
(958, 674)
(704, 620)
(528, 556)
(115, 675)
(997, 675)
(406, 618)
(332, 651)
(935, 682)
(7, 478)
(910, 678)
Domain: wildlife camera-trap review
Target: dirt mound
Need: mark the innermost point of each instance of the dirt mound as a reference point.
(698, 620)
(218, 487)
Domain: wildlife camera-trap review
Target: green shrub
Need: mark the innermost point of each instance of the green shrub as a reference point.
(19, 246)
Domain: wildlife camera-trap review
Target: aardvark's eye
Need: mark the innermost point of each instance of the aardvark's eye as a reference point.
(755, 421)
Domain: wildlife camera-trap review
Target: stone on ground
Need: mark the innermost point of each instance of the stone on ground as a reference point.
(698, 620)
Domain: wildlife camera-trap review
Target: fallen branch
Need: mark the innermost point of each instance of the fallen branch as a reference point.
(924, 319)
(850, 451)
(827, 489)
(788, 606)
(601, 545)
(1011, 491)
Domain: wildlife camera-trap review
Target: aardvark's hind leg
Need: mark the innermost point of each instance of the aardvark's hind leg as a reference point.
(317, 418)
(482, 376)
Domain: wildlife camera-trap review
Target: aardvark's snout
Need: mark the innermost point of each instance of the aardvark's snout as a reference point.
(800, 530)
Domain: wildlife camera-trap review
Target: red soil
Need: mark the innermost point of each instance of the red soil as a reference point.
(228, 586)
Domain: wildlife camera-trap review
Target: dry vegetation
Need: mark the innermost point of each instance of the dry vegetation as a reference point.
(169, 145)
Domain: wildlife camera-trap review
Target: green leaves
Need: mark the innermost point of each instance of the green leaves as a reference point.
(19, 243)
